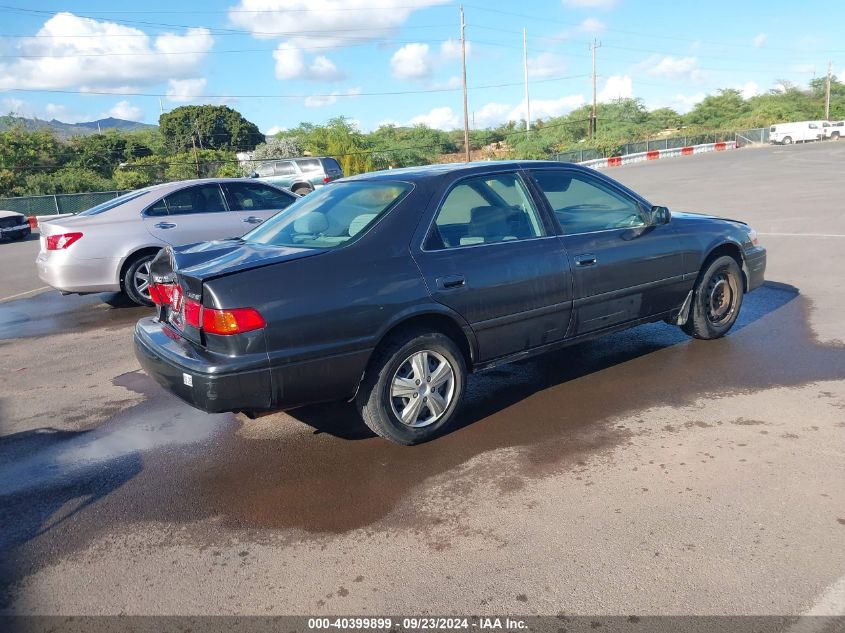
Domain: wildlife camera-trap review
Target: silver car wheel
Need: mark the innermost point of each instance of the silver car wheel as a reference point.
(422, 389)
(142, 279)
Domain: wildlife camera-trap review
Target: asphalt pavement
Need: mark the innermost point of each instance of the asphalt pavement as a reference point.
(640, 474)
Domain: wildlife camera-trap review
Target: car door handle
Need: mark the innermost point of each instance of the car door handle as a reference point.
(165, 225)
(252, 220)
(451, 282)
(587, 259)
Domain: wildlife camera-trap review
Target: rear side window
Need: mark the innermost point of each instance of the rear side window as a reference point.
(255, 197)
(583, 204)
(285, 168)
(200, 199)
(331, 216)
(309, 164)
(485, 210)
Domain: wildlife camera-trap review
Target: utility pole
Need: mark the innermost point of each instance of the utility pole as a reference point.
(464, 70)
(596, 44)
(525, 68)
(827, 94)
(196, 160)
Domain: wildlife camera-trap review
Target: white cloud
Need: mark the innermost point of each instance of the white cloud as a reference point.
(547, 108)
(322, 68)
(275, 130)
(18, 107)
(291, 64)
(546, 65)
(604, 5)
(673, 68)
(759, 39)
(450, 50)
(441, 118)
(841, 75)
(183, 90)
(64, 114)
(684, 103)
(616, 87)
(591, 25)
(329, 23)
(319, 101)
(125, 110)
(749, 89)
(412, 61)
(493, 113)
(85, 54)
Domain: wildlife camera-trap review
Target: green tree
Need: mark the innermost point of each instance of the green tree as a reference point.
(67, 180)
(213, 127)
(24, 153)
(277, 147)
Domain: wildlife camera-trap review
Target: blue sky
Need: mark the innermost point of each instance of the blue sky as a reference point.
(280, 62)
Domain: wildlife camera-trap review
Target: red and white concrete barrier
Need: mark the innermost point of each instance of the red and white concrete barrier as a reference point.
(657, 154)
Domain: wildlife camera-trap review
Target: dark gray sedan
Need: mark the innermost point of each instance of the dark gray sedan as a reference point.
(387, 289)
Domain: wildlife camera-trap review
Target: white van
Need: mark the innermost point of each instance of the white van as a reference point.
(799, 132)
(835, 131)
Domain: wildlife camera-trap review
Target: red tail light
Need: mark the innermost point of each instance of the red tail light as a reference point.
(162, 294)
(62, 241)
(232, 321)
(192, 312)
(326, 180)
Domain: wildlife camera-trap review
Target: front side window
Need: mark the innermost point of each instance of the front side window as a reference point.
(255, 197)
(200, 199)
(583, 204)
(485, 210)
(331, 216)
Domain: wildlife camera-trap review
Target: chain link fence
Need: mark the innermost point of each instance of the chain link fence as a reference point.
(57, 204)
(742, 137)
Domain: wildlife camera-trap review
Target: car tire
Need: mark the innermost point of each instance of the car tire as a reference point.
(716, 299)
(787, 140)
(302, 189)
(420, 374)
(835, 136)
(137, 270)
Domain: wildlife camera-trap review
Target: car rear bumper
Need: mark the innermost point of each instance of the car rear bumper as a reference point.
(755, 268)
(204, 380)
(68, 274)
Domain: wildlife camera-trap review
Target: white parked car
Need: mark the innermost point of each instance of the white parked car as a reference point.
(108, 248)
(798, 132)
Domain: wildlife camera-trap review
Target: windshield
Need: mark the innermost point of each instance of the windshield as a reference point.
(114, 202)
(331, 216)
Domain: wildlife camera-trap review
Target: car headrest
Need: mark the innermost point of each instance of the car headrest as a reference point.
(311, 223)
(359, 222)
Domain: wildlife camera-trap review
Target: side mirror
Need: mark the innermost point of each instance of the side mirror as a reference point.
(659, 215)
(254, 174)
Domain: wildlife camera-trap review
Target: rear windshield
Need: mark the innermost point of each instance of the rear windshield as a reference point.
(114, 202)
(331, 216)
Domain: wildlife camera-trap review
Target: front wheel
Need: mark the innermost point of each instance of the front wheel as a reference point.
(413, 388)
(716, 299)
(787, 140)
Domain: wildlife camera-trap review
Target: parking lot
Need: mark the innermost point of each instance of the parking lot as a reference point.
(643, 473)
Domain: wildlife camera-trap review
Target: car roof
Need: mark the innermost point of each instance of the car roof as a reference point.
(441, 169)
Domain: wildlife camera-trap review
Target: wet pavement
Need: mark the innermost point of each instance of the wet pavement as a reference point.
(698, 472)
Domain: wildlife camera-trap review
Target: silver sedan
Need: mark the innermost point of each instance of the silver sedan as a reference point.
(108, 248)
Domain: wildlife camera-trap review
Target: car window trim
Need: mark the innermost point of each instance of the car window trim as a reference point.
(550, 229)
(224, 185)
(641, 203)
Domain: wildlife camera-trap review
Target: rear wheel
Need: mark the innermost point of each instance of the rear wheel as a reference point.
(302, 189)
(413, 388)
(835, 136)
(136, 280)
(716, 299)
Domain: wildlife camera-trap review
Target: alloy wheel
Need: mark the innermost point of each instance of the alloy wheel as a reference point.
(422, 389)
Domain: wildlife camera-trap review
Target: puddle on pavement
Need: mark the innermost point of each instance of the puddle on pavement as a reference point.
(162, 461)
(52, 313)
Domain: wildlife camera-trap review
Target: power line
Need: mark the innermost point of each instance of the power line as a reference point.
(289, 96)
